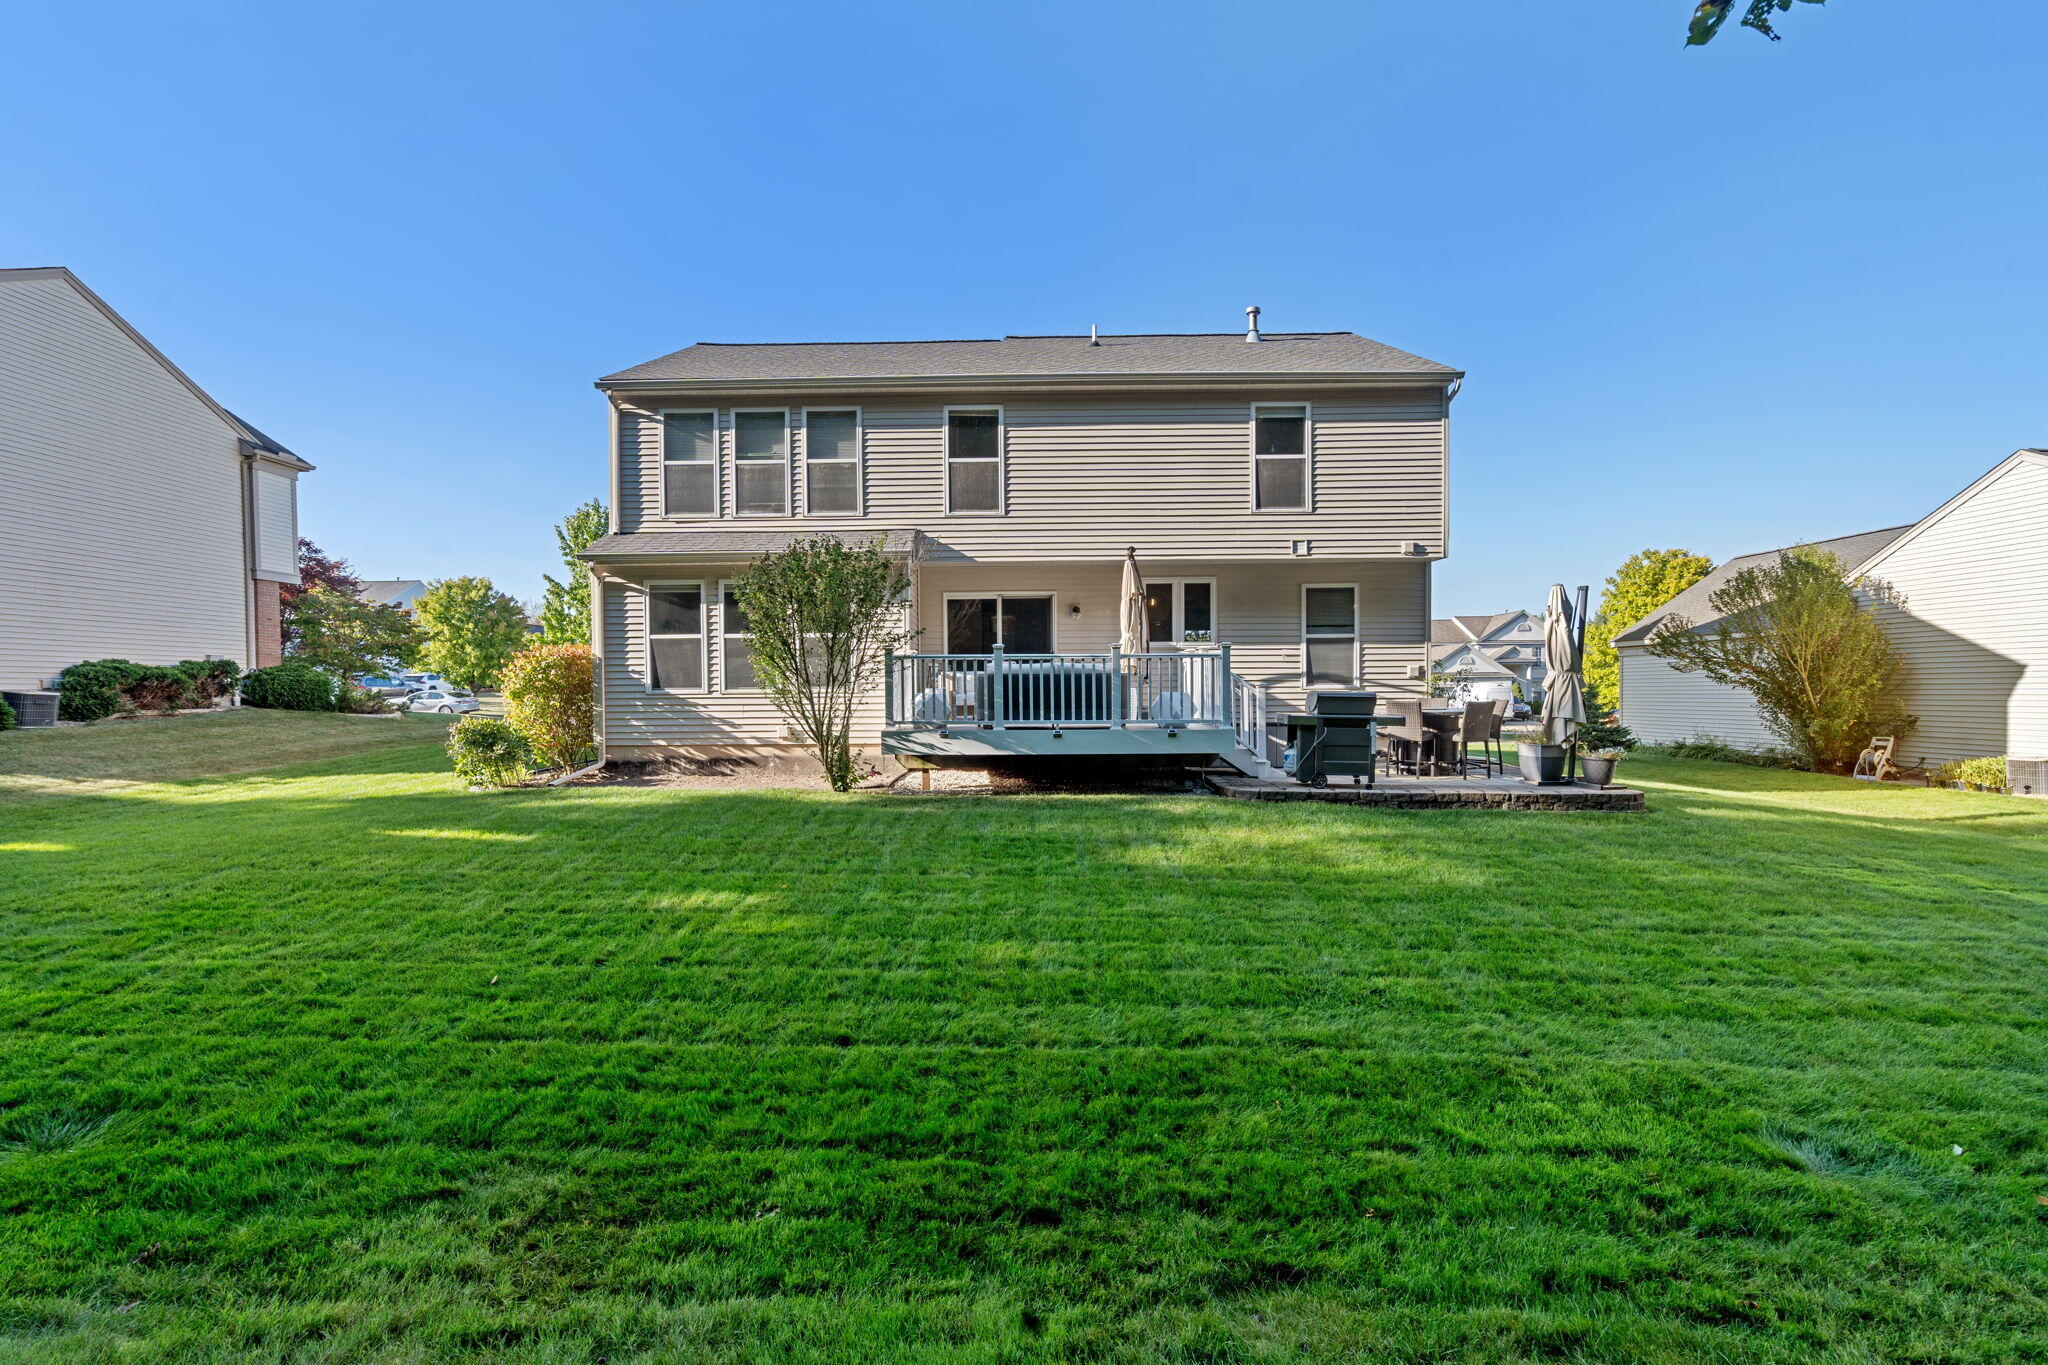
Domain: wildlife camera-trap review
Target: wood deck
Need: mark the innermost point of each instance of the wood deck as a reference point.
(1432, 793)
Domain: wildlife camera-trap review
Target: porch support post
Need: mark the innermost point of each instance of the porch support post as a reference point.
(889, 688)
(1222, 683)
(1116, 685)
(994, 709)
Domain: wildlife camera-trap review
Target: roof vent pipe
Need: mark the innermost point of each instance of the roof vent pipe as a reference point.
(1093, 340)
(1251, 323)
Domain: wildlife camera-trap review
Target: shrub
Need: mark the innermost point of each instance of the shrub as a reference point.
(488, 752)
(8, 720)
(211, 679)
(95, 689)
(1987, 773)
(360, 701)
(159, 689)
(1605, 734)
(1714, 751)
(551, 700)
(289, 687)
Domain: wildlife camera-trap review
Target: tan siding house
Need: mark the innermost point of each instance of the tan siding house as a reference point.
(1972, 627)
(138, 518)
(1271, 489)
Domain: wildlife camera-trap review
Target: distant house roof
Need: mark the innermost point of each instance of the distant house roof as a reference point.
(1695, 603)
(1192, 354)
(673, 544)
(392, 592)
(1449, 630)
(255, 439)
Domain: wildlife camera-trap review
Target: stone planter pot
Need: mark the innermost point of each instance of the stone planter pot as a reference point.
(1598, 771)
(1541, 764)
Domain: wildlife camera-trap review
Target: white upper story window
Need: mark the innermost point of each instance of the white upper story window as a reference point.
(689, 464)
(974, 459)
(1280, 457)
(760, 462)
(832, 462)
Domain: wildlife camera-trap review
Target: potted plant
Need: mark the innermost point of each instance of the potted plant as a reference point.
(1541, 762)
(1597, 765)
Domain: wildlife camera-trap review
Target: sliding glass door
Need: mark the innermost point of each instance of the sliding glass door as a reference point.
(1020, 624)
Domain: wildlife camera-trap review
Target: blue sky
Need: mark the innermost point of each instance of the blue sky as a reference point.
(1723, 298)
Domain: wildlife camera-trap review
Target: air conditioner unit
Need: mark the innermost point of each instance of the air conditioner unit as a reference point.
(2027, 776)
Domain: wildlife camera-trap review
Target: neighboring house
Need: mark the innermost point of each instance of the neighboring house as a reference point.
(392, 592)
(139, 518)
(1507, 644)
(1972, 627)
(1284, 496)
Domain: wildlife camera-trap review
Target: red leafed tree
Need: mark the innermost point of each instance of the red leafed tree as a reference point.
(317, 569)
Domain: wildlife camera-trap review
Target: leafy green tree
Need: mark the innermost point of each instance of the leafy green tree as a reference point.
(1708, 17)
(1645, 581)
(472, 630)
(565, 607)
(824, 616)
(1796, 636)
(343, 634)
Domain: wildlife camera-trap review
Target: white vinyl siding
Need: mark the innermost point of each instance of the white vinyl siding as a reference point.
(1084, 476)
(123, 528)
(277, 526)
(1973, 625)
(1662, 704)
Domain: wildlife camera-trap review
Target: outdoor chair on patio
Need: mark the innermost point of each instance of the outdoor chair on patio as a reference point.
(1404, 744)
(1479, 725)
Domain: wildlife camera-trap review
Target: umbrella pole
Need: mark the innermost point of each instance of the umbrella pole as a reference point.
(1571, 757)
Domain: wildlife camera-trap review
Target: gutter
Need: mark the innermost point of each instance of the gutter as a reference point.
(248, 480)
(998, 383)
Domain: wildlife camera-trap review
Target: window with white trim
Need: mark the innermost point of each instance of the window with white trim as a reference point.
(1329, 635)
(736, 644)
(832, 463)
(974, 459)
(1180, 611)
(675, 637)
(1280, 446)
(760, 462)
(689, 464)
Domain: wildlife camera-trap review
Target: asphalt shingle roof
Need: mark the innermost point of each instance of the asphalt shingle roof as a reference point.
(1695, 603)
(1221, 353)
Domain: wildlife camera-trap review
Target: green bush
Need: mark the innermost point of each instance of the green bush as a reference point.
(95, 689)
(289, 687)
(551, 700)
(360, 701)
(1714, 751)
(488, 752)
(1988, 773)
(8, 720)
(159, 689)
(210, 679)
(1602, 734)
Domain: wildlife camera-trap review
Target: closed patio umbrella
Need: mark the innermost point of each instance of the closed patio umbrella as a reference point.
(1133, 619)
(1563, 708)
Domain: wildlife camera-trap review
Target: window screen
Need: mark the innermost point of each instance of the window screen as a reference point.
(760, 448)
(689, 451)
(1280, 457)
(974, 463)
(1329, 627)
(675, 638)
(832, 462)
(736, 658)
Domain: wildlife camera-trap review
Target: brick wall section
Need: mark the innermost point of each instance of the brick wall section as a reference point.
(269, 625)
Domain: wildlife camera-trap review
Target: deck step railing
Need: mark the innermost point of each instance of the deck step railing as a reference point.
(1109, 688)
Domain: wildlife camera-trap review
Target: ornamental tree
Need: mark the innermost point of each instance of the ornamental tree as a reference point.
(1798, 637)
(824, 615)
(472, 630)
(1646, 580)
(317, 569)
(565, 606)
(343, 634)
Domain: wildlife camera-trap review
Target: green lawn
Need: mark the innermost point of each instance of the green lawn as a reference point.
(338, 1062)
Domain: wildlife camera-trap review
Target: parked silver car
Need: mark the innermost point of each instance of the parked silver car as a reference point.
(447, 701)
